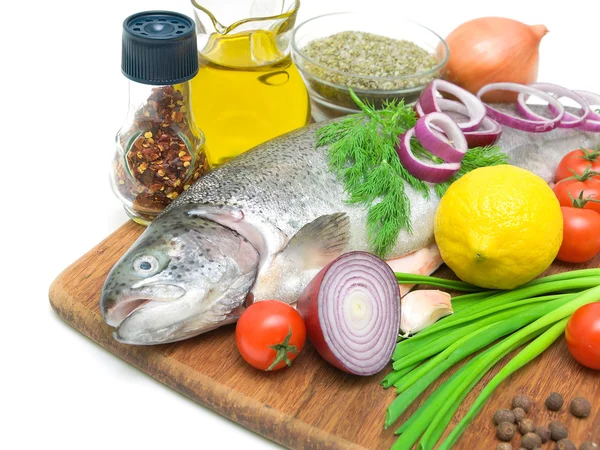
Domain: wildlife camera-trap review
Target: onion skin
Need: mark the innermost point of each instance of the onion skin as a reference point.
(308, 307)
(494, 49)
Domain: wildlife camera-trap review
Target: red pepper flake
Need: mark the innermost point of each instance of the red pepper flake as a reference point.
(160, 165)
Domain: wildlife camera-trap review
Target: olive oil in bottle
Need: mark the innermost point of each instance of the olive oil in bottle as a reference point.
(246, 92)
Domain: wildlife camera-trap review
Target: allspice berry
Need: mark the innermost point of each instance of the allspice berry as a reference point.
(589, 445)
(526, 426)
(505, 431)
(522, 401)
(519, 413)
(565, 444)
(543, 432)
(558, 431)
(554, 401)
(580, 407)
(503, 415)
(531, 441)
(504, 446)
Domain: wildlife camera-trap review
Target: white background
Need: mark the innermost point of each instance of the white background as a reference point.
(62, 99)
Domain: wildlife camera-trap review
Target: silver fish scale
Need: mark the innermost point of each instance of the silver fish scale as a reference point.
(287, 183)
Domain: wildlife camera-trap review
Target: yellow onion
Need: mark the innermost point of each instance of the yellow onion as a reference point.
(494, 49)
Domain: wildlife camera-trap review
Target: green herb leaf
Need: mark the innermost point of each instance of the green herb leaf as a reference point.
(362, 153)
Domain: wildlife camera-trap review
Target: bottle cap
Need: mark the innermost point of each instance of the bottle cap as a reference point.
(159, 48)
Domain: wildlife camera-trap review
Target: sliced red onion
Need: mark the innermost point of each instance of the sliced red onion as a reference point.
(489, 130)
(450, 144)
(352, 313)
(423, 170)
(419, 109)
(592, 123)
(430, 103)
(592, 99)
(489, 133)
(568, 120)
(510, 120)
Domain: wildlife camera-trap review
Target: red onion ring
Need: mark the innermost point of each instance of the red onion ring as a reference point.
(489, 133)
(423, 170)
(419, 109)
(489, 130)
(352, 313)
(568, 120)
(592, 123)
(475, 108)
(450, 144)
(509, 120)
(592, 99)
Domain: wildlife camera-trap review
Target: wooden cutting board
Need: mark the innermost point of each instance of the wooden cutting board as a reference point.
(312, 405)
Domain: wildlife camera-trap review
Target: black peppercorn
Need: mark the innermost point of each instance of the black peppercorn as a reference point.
(580, 407)
(505, 431)
(519, 413)
(554, 401)
(526, 426)
(543, 432)
(589, 445)
(565, 444)
(522, 401)
(504, 446)
(557, 431)
(531, 441)
(503, 415)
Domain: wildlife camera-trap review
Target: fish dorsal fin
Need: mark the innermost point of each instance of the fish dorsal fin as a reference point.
(319, 242)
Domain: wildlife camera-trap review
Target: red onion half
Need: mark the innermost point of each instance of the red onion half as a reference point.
(568, 120)
(423, 170)
(510, 120)
(450, 144)
(475, 110)
(352, 313)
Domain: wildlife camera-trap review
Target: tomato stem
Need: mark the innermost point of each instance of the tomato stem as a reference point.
(282, 349)
(580, 202)
(586, 175)
(590, 155)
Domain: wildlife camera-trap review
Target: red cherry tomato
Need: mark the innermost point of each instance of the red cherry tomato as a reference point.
(578, 161)
(590, 188)
(270, 334)
(581, 235)
(583, 335)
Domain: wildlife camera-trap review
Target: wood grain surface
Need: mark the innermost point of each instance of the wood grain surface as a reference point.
(312, 405)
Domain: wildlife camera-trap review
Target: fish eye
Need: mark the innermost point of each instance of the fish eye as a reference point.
(145, 265)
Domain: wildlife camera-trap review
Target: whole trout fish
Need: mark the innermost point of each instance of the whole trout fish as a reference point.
(260, 227)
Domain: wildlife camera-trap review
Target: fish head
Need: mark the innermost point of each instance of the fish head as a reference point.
(183, 276)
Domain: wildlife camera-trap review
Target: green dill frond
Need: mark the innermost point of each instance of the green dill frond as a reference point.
(362, 153)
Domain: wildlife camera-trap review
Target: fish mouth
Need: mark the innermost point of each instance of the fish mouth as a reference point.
(115, 309)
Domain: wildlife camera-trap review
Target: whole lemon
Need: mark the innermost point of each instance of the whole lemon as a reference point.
(499, 227)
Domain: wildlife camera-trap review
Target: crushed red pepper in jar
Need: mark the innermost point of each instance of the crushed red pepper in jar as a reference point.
(159, 154)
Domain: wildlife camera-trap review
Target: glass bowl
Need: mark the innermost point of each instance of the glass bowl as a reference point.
(331, 99)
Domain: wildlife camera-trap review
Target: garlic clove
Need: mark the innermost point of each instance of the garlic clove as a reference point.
(419, 309)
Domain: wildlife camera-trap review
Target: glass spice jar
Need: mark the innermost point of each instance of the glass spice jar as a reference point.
(160, 150)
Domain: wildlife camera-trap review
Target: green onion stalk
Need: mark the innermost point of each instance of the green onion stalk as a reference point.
(488, 323)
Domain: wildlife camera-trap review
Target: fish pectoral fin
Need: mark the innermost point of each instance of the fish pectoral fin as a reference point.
(319, 242)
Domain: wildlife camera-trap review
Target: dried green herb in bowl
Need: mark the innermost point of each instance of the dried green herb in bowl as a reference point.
(369, 61)
(379, 59)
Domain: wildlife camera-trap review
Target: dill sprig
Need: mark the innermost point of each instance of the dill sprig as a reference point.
(362, 153)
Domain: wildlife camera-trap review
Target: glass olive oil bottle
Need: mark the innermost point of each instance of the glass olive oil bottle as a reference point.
(247, 89)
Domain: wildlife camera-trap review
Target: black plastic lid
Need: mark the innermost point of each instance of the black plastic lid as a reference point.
(159, 48)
